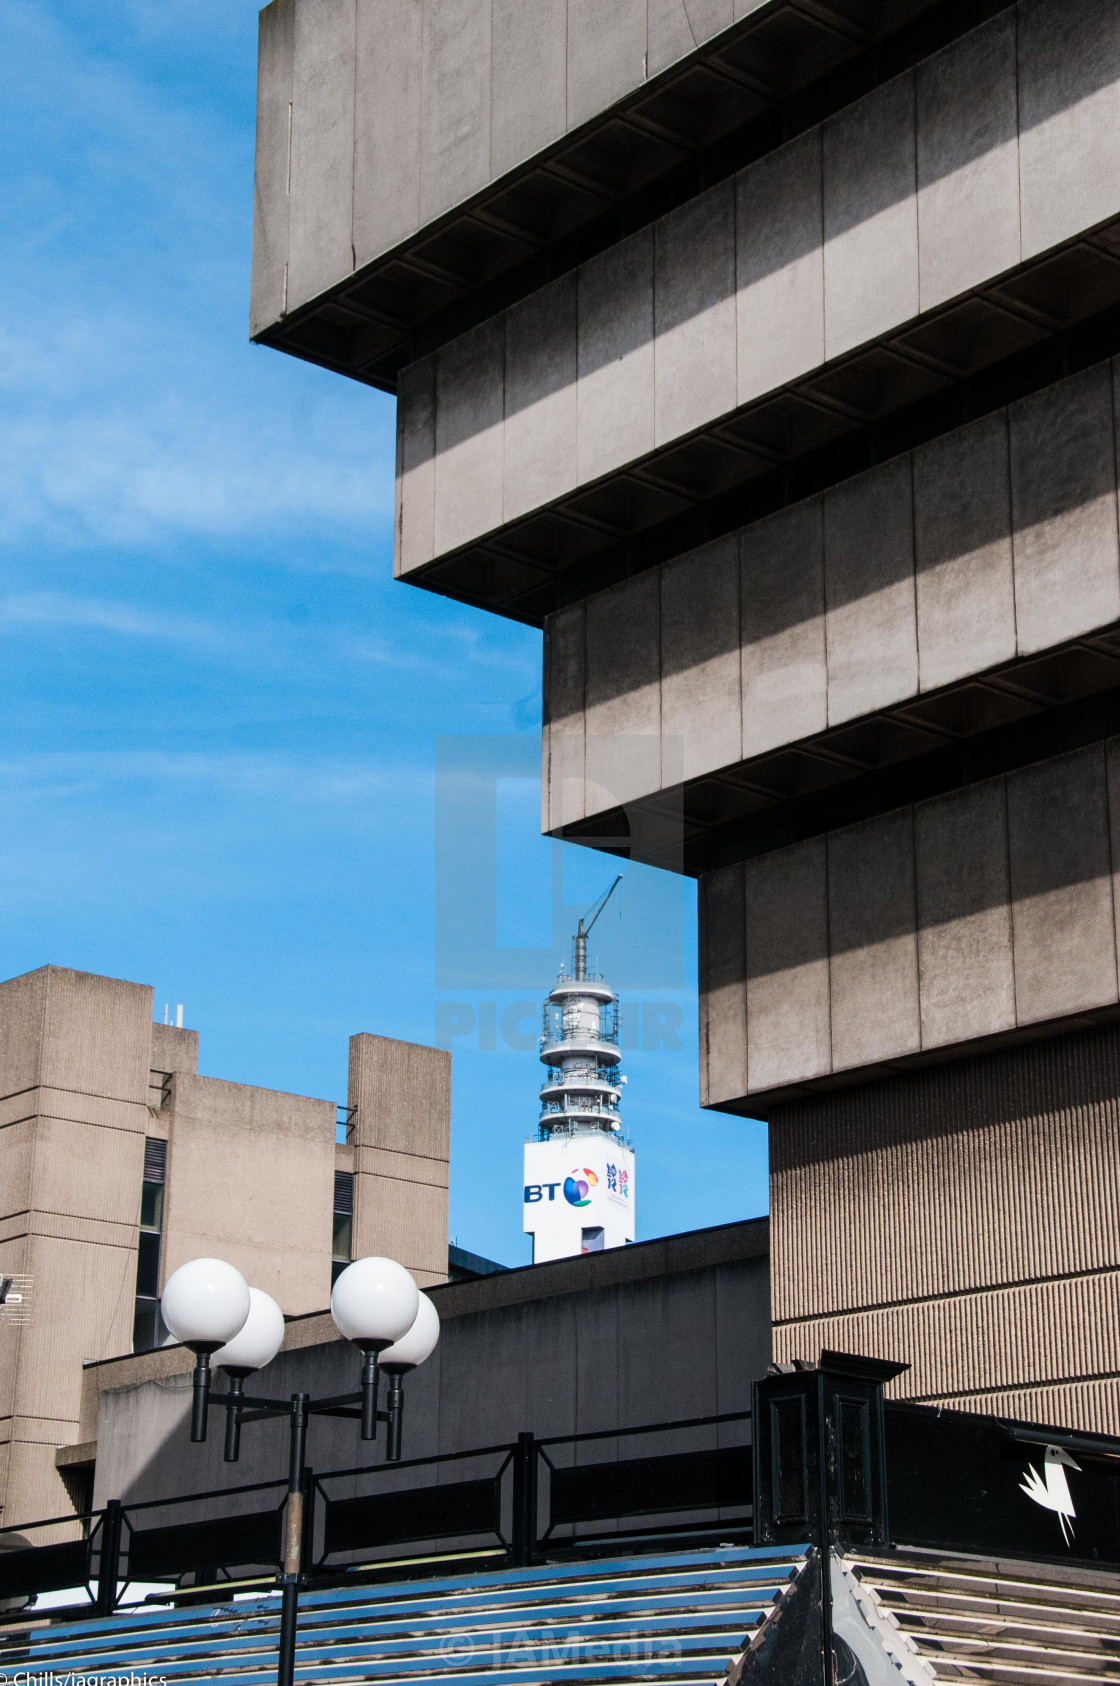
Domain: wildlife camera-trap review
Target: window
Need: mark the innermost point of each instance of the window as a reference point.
(593, 1240)
(343, 1238)
(148, 1329)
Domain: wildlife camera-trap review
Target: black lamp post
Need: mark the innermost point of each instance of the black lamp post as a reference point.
(210, 1308)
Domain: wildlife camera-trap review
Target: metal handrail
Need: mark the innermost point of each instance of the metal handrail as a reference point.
(644, 1428)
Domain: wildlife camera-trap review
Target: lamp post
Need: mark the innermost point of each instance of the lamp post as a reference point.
(210, 1308)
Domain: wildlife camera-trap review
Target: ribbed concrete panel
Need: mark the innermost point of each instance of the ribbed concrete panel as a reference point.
(994, 1170)
(1047, 1334)
(1090, 1405)
(985, 547)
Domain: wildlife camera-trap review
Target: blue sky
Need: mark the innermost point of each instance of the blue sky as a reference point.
(221, 717)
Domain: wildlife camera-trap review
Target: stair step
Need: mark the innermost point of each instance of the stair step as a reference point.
(677, 1618)
(987, 1625)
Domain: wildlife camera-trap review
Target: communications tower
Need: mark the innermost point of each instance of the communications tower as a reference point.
(579, 1172)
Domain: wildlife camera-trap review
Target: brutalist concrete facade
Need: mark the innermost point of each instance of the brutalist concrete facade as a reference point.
(763, 353)
(94, 1097)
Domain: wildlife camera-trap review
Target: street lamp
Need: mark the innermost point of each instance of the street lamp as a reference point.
(210, 1308)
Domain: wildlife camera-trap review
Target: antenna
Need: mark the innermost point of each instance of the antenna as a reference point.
(583, 930)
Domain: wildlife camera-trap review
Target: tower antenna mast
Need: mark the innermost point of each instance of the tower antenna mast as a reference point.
(582, 930)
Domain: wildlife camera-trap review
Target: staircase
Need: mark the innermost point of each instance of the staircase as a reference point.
(1006, 1623)
(675, 1618)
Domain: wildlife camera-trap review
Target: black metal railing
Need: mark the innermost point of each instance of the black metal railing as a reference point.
(513, 1502)
(821, 1461)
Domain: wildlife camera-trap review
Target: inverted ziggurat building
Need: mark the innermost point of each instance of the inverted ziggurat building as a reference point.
(763, 352)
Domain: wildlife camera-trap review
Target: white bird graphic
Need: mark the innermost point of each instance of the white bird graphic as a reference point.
(1051, 1490)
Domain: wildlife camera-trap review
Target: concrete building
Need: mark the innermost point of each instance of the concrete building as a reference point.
(763, 353)
(118, 1162)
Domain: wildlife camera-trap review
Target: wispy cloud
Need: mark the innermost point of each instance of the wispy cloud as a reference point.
(57, 609)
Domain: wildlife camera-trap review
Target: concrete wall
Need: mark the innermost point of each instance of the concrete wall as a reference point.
(74, 1059)
(665, 1329)
(989, 544)
(400, 1132)
(250, 1179)
(966, 1218)
(980, 913)
(376, 117)
(988, 154)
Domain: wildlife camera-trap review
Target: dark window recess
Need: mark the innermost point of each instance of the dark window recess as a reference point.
(147, 1264)
(343, 1235)
(148, 1328)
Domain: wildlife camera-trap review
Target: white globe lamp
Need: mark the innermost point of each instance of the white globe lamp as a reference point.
(205, 1304)
(374, 1302)
(418, 1344)
(405, 1354)
(258, 1340)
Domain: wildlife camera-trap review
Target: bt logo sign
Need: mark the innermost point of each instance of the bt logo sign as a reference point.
(577, 1188)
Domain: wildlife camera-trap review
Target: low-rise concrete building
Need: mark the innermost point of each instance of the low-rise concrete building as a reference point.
(118, 1162)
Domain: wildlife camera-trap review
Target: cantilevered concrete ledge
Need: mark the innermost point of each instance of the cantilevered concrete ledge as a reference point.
(961, 587)
(421, 163)
(987, 915)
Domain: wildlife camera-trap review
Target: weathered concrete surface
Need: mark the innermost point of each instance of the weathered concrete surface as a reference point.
(905, 200)
(992, 543)
(671, 1328)
(975, 914)
(74, 1064)
(401, 110)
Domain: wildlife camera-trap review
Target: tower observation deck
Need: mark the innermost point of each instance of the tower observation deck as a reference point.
(588, 1204)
